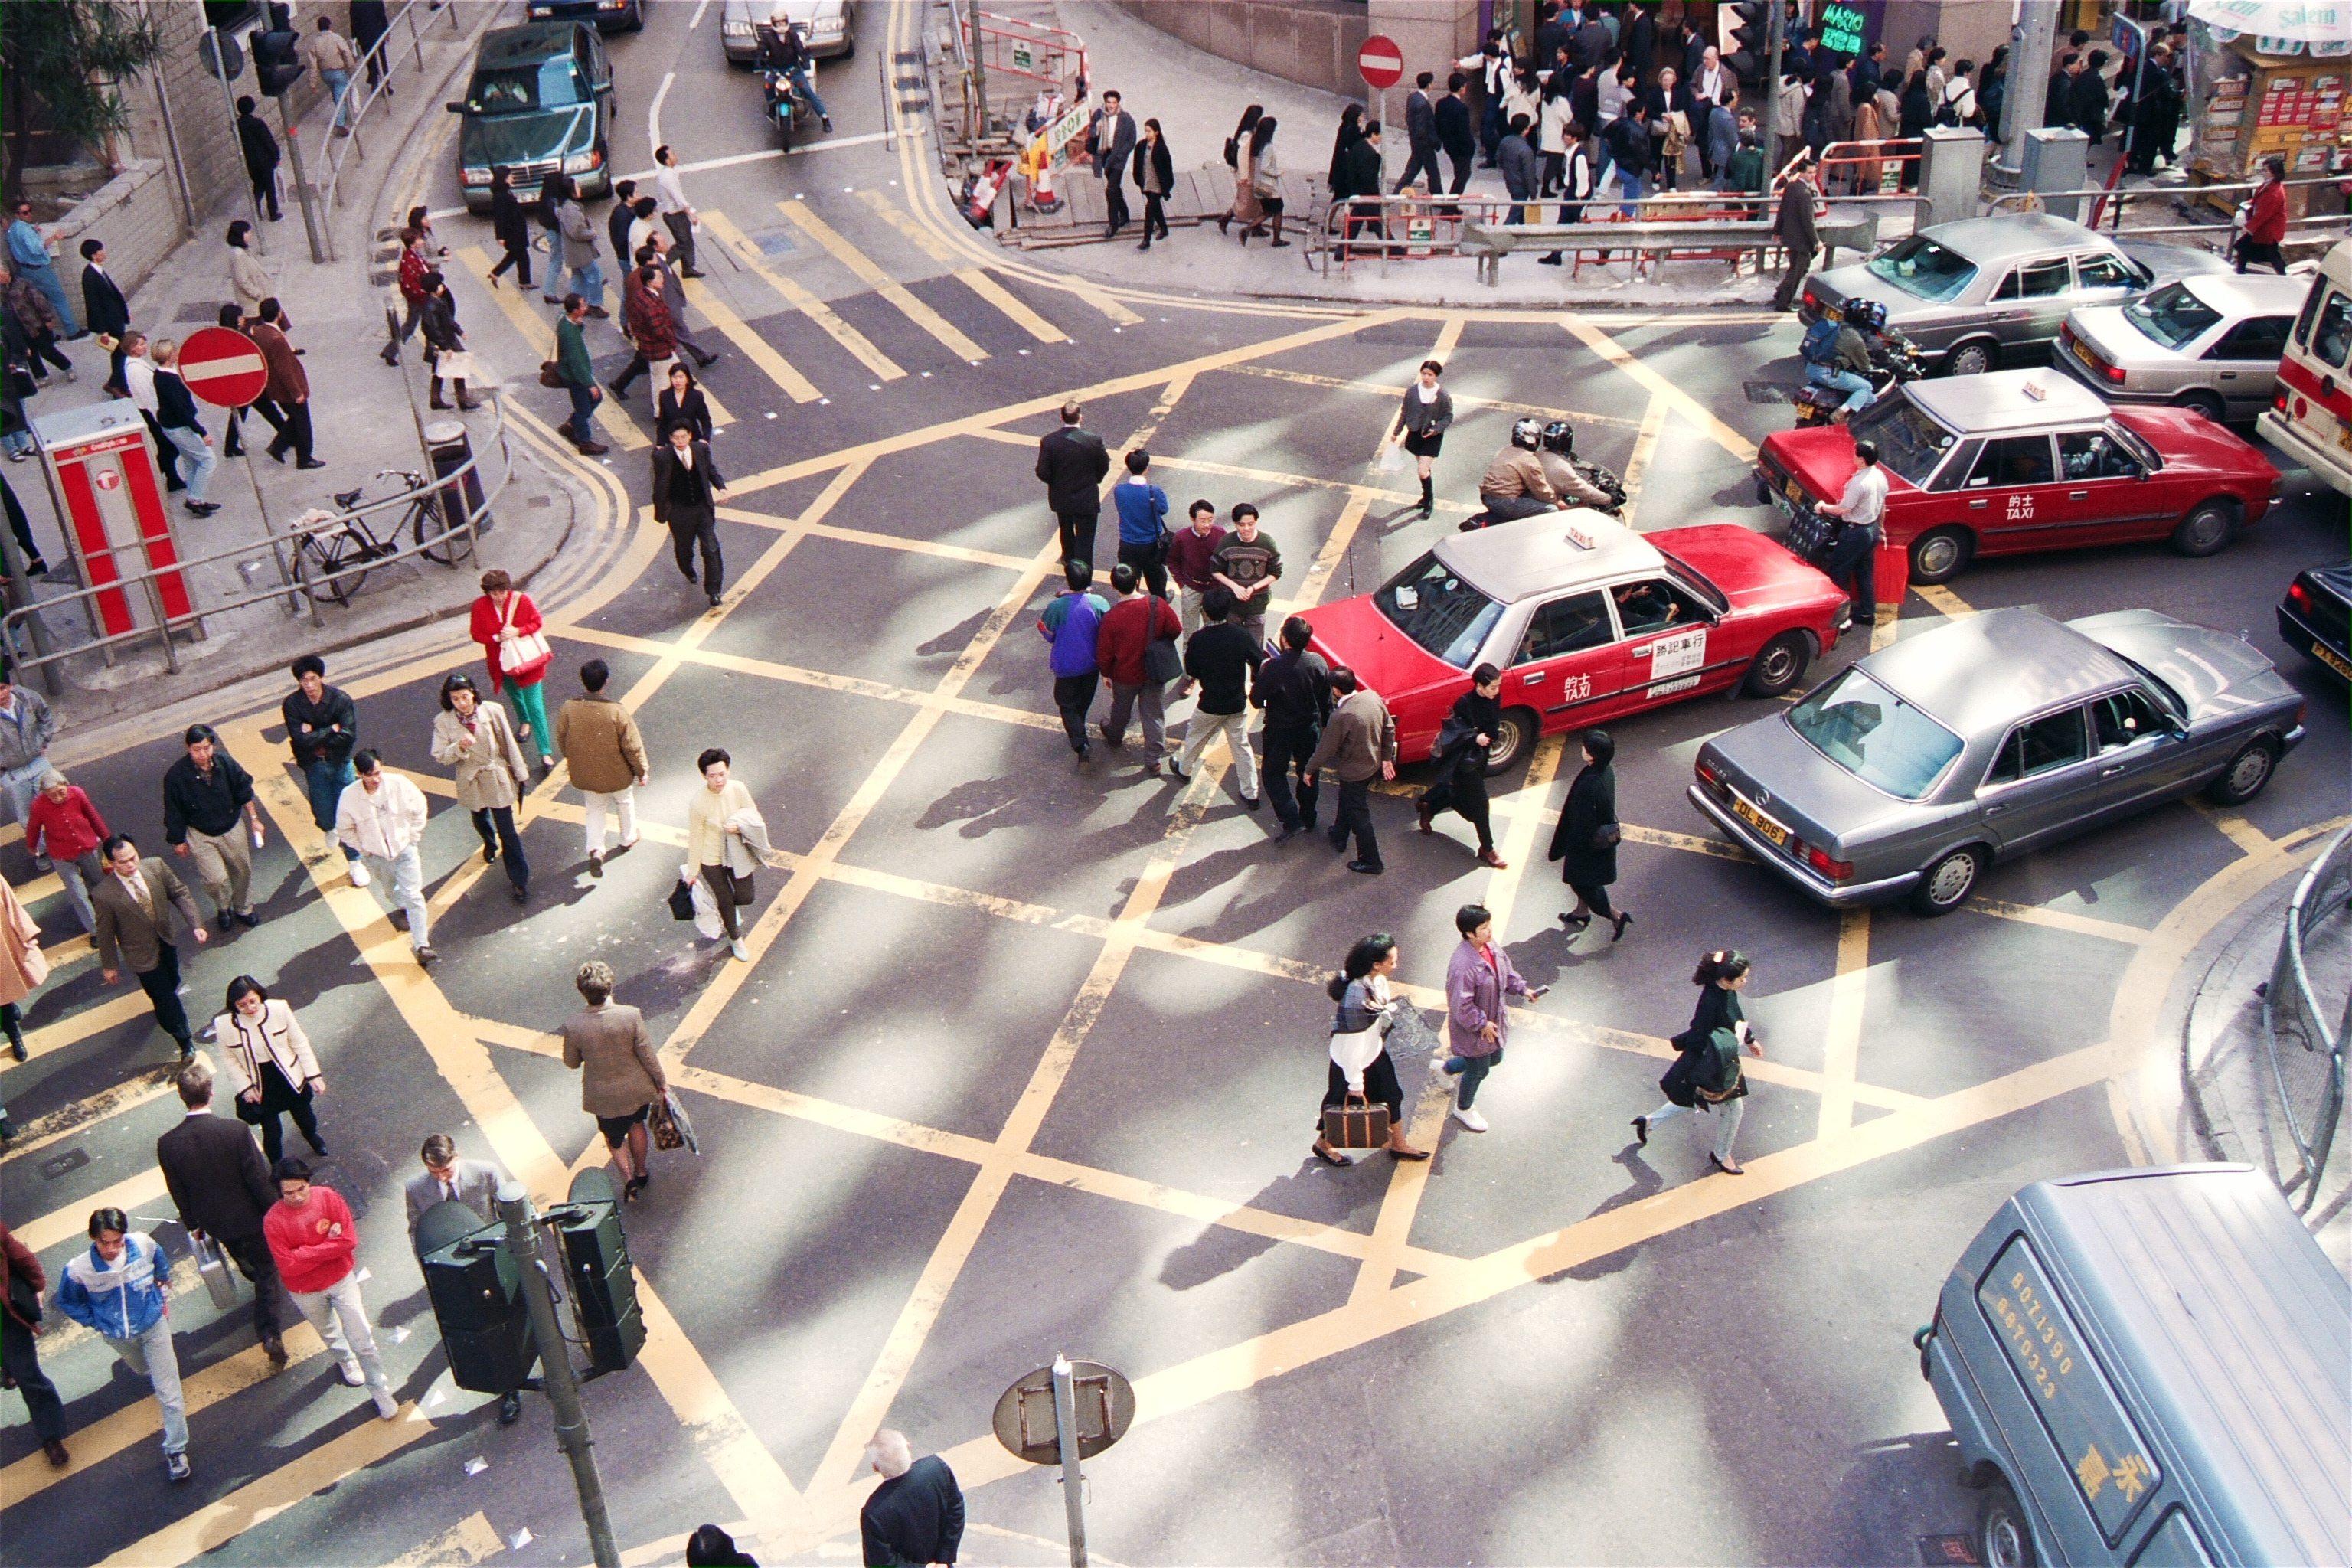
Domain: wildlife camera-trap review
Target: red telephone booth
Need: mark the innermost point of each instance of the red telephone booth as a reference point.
(109, 497)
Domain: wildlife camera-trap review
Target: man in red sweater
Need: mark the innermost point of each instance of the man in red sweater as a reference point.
(1128, 629)
(313, 1239)
(2266, 220)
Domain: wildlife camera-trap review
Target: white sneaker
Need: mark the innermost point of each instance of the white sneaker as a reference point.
(742, 954)
(385, 1404)
(1437, 1067)
(353, 1376)
(1470, 1120)
(359, 873)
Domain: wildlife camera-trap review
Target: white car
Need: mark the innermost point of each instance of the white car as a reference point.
(825, 24)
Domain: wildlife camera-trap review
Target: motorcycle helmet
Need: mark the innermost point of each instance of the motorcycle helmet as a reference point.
(1867, 315)
(1559, 436)
(1528, 432)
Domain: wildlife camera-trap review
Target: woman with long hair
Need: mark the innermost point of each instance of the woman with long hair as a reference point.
(1361, 1068)
(1585, 841)
(682, 403)
(1265, 180)
(1706, 1075)
(1237, 158)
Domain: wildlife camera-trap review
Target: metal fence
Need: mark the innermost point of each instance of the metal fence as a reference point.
(2120, 197)
(337, 154)
(2304, 1026)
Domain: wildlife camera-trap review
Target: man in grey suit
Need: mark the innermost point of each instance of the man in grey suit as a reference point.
(145, 911)
(222, 1188)
(473, 1183)
(1420, 134)
(1115, 133)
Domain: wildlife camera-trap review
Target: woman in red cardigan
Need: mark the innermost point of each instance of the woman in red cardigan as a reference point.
(2267, 220)
(502, 613)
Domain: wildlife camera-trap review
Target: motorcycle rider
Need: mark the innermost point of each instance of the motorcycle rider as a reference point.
(1837, 352)
(783, 49)
(1557, 456)
(1515, 485)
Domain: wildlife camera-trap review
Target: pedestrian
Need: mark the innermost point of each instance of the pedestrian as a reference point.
(1142, 509)
(1339, 175)
(210, 815)
(23, 967)
(1155, 176)
(1293, 690)
(579, 245)
(1360, 1065)
(369, 25)
(1465, 741)
(2156, 116)
(646, 322)
(135, 373)
(682, 403)
(1359, 745)
(1071, 463)
(1556, 111)
(1069, 624)
(2086, 98)
(1706, 1075)
(1480, 980)
(655, 249)
(1627, 142)
(507, 624)
(22, 1285)
(676, 212)
(21, 527)
(1517, 159)
(711, 1547)
(259, 145)
(103, 305)
(1794, 225)
(119, 1290)
(37, 319)
(1421, 135)
(175, 411)
(577, 372)
(1265, 182)
(726, 841)
(415, 267)
(1722, 139)
(474, 1184)
(315, 1241)
(233, 439)
(619, 221)
(621, 1076)
(916, 1515)
(1190, 551)
(1112, 134)
(26, 728)
(248, 275)
(606, 756)
(541, 210)
(511, 225)
(143, 912)
(30, 259)
(476, 740)
(1493, 64)
(1124, 651)
(63, 828)
(220, 1187)
(688, 488)
(1860, 508)
(288, 388)
(445, 344)
(1456, 132)
(333, 58)
(2265, 220)
(270, 1066)
(1585, 841)
(1246, 565)
(1237, 158)
(1422, 423)
(1223, 659)
(321, 728)
(380, 815)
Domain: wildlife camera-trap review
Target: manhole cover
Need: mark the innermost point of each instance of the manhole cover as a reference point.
(1771, 390)
(775, 243)
(56, 1166)
(206, 313)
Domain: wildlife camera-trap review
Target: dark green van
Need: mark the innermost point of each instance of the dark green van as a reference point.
(541, 103)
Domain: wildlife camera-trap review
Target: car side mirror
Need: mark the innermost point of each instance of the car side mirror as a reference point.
(455, 108)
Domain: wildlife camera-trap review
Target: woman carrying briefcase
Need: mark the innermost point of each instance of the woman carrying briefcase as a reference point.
(1363, 1104)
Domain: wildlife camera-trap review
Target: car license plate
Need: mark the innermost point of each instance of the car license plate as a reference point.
(2344, 437)
(1796, 494)
(2331, 659)
(1778, 835)
(2083, 351)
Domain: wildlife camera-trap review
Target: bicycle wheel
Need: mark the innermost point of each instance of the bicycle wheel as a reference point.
(425, 525)
(334, 567)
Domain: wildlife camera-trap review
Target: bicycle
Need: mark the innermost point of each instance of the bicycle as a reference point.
(337, 559)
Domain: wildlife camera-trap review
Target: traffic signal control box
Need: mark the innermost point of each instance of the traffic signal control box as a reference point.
(603, 1283)
(275, 60)
(477, 1302)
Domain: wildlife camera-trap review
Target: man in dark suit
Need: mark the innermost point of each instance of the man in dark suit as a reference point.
(145, 911)
(1591, 45)
(103, 305)
(1552, 35)
(1455, 129)
(688, 488)
(916, 1515)
(260, 147)
(1071, 462)
(1114, 134)
(446, 1179)
(1800, 236)
(222, 1188)
(1421, 133)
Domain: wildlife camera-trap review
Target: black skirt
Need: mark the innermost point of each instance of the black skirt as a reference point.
(1380, 1087)
(277, 1097)
(1424, 445)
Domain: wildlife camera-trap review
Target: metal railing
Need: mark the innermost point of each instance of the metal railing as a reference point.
(338, 152)
(1413, 228)
(300, 583)
(2306, 1048)
(2121, 195)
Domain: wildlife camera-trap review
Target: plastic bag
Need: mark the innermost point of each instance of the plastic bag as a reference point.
(1393, 458)
(706, 911)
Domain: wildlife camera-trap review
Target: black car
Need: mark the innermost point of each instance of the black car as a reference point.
(2314, 615)
(610, 15)
(539, 103)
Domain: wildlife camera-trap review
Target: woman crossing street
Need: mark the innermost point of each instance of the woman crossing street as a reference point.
(1361, 1068)
(1706, 1075)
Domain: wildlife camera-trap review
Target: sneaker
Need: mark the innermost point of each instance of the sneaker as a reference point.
(177, 1468)
(741, 954)
(358, 873)
(1470, 1120)
(353, 1374)
(386, 1406)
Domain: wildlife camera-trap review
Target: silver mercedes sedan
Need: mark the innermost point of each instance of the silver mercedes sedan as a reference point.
(1912, 770)
(2211, 343)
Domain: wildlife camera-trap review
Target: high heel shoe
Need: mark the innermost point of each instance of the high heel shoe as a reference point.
(1224, 223)
(1621, 922)
(1576, 923)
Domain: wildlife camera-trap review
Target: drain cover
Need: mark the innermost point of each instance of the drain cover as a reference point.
(775, 243)
(1771, 390)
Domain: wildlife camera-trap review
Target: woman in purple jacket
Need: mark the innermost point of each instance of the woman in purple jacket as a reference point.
(1479, 979)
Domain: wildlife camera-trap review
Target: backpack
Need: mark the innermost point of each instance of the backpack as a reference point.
(1820, 345)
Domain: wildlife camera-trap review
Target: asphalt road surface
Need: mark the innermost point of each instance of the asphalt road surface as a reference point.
(1029, 1054)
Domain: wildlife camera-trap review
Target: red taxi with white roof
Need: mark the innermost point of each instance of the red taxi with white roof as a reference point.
(1588, 621)
(2023, 460)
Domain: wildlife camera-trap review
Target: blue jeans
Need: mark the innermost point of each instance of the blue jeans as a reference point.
(17, 441)
(1492, 129)
(808, 90)
(1474, 1071)
(550, 287)
(325, 782)
(588, 278)
(1855, 386)
(45, 277)
(197, 460)
(584, 413)
(338, 83)
(1633, 184)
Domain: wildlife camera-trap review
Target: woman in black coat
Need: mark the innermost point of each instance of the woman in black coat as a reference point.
(1463, 743)
(682, 403)
(512, 225)
(444, 340)
(1585, 841)
(1422, 424)
(1155, 176)
(1706, 1075)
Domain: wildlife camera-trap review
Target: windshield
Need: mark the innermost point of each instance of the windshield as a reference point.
(2156, 683)
(2172, 316)
(1698, 581)
(1439, 610)
(550, 84)
(1876, 735)
(1910, 442)
(1925, 269)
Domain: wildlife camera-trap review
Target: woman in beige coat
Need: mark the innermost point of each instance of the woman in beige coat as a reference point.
(269, 1067)
(23, 967)
(478, 740)
(622, 1077)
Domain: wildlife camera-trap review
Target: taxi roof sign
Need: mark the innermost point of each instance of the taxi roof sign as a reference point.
(1581, 537)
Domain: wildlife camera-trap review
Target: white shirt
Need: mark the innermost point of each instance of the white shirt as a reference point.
(1423, 394)
(139, 377)
(1865, 500)
(672, 191)
(640, 230)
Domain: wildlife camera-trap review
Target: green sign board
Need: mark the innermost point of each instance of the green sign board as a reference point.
(1842, 29)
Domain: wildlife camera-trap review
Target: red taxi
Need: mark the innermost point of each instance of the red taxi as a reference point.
(2023, 460)
(1588, 621)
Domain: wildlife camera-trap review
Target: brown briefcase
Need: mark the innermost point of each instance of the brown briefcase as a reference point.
(1355, 1124)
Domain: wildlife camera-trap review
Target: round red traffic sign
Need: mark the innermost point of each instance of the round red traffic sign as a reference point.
(1381, 61)
(223, 366)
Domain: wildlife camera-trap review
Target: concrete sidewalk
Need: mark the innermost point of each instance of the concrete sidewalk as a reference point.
(364, 423)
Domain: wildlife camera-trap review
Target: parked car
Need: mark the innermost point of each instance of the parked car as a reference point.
(610, 15)
(2315, 616)
(828, 25)
(2310, 415)
(2211, 343)
(1587, 620)
(1914, 769)
(539, 102)
(2023, 460)
(1976, 294)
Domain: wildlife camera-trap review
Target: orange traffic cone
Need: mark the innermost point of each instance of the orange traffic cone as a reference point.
(1041, 197)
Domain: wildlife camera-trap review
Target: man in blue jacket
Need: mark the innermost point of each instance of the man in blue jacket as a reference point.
(1069, 626)
(1142, 522)
(116, 1290)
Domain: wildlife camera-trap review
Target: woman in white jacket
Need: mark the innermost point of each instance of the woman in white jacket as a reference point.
(268, 1066)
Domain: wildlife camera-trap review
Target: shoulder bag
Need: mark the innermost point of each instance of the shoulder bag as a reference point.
(1162, 661)
(551, 375)
(522, 657)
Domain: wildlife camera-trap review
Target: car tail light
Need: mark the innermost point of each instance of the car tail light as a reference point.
(1708, 776)
(1821, 860)
(2278, 402)
(2113, 372)
(2298, 715)
(2296, 594)
(1813, 300)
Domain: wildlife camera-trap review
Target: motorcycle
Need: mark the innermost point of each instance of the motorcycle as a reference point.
(786, 105)
(1601, 479)
(1893, 361)
(1556, 444)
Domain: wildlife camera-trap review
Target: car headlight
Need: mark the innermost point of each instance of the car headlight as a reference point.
(831, 26)
(736, 28)
(477, 177)
(583, 162)
(538, 11)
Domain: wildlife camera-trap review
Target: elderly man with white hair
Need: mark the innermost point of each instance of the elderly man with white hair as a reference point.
(916, 1515)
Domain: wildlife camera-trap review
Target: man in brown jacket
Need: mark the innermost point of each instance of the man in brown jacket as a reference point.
(144, 912)
(1358, 745)
(290, 385)
(606, 758)
(622, 1077)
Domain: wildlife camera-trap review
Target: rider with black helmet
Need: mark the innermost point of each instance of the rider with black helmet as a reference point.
(1556, 454)
(1515, 484)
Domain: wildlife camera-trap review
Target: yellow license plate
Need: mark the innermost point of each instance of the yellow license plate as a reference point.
(1796, 494)
(2083, 352)
(2331, 659)
(1759, 821)
(2344, 437)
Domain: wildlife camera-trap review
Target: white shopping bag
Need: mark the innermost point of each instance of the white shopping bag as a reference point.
(706, 911)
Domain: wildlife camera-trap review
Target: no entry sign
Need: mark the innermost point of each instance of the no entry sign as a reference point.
(223, 366)
(1381, 61)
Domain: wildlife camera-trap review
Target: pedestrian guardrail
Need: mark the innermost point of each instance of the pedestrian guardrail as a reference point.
(298, 552)
(2123, 196)
(2306, 1048)
(377, 66)
(1414, 225)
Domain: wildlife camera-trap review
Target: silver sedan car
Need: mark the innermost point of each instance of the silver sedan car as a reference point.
(1985, 291)
(2211, 343)
(1911, 771)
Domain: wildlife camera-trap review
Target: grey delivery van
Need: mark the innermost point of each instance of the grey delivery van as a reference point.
(2150, 1366)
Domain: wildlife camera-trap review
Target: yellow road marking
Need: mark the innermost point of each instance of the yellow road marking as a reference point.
(2061, 919)
(1697, 412)
(881, 282)
(972, 278)
(617, 426)
(754, 347)
(911, 546)
(1391, 391)
(45, 885)
(1645, 447)
(72, 1222)
(1691, 843)
(1841, 1031)
(75, 1027)
(801, 300)
(2249, 839)
(68, 1121)
(464, 1544)
(1943, 601)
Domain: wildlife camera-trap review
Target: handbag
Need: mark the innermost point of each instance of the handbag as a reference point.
(679, 1120)
(682, 900)
(551, 375)
(1356, 1123)
(661, 1120)
(521, 654)
(457, 364)
(1162, 662)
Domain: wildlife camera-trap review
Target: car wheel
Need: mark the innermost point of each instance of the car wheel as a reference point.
(636, 23)
(1763, 493)
(1513, 740)
(1778, 665)
(2204, 403)
(1938, 555)
(1974, 357)
(1948, 882)
(2004, 1538)
(2248, 771)
(2206, 530)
